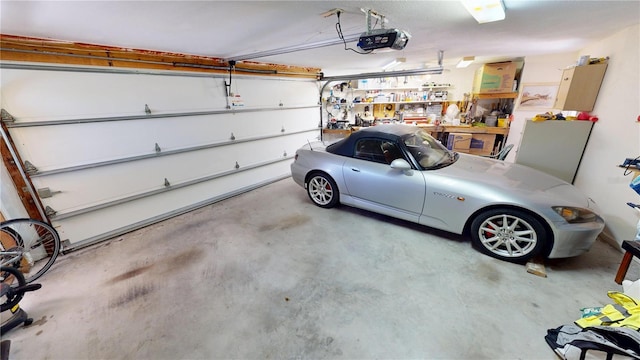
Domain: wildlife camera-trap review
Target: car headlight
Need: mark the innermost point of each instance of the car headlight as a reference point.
(575, 215)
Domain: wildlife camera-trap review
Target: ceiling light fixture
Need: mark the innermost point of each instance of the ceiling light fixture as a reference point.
(465, 61)
(485, 11)
(394, 63)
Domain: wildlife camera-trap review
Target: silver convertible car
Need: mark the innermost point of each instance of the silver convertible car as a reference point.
(510, 211)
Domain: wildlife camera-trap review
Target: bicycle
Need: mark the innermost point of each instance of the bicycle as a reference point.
(29, 245)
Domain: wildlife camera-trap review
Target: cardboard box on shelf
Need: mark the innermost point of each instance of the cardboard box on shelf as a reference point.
(494, 78)
(459, 142)
(482, 144)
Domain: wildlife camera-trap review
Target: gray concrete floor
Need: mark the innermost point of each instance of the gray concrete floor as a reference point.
(268, 275)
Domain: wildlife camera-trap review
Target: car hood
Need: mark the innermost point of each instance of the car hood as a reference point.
(497, 176)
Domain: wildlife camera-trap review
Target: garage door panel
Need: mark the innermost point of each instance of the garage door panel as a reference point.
(56, 93)
(98, 169)
(87, 226)
(93, 186)
(285, 92)
(62, 146)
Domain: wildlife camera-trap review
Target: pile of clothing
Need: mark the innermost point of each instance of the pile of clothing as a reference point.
(609, 332)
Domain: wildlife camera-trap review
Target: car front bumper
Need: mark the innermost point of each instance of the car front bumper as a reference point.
(574, 239)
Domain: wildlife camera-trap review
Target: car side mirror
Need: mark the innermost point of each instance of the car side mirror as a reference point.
(400, 164)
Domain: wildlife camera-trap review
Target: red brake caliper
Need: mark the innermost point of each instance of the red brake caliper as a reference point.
(488, 234)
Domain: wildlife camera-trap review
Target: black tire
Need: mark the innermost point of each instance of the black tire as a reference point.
(322, 190)
(40, 243)
(508, 234)
(10, 278)
(9, 241)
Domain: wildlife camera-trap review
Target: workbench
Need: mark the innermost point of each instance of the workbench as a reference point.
(440, 129)
(437, 131)
(466, 129)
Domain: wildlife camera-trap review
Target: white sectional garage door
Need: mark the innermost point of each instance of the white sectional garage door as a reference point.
(109, 152)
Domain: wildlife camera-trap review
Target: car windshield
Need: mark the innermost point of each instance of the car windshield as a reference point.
(427, 151)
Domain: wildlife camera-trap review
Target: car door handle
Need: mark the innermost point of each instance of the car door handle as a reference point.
(355, 169)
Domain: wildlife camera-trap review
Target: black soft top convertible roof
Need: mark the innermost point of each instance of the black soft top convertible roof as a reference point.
(391, 132)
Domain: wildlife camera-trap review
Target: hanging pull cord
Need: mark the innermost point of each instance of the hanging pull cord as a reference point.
(232, 65)
(341, 36)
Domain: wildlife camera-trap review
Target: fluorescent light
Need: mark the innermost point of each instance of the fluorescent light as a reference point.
(465, 61)
(485, 11)
(394, 63)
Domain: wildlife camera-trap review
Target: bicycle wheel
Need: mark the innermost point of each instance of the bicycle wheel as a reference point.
(10, 279)
(40, 244)
(10, 248)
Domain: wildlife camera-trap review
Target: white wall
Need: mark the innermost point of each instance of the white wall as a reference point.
(537, 69)
(615, 136)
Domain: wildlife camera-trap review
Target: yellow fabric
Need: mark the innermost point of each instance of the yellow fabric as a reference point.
(632, 322)
(623, 299)
(624, 313)
(546, 116)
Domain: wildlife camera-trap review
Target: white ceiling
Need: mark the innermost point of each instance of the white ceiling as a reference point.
(229, 29)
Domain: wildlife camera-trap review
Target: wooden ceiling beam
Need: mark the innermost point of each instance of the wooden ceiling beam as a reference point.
(27, 49)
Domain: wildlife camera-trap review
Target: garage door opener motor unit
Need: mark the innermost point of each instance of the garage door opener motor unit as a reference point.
(383, 38)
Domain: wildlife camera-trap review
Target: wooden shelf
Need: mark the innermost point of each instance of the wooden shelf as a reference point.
(404, 102)
(467, 129)
(336, 131)
(436, 86)
(457, 128)
(511, 95)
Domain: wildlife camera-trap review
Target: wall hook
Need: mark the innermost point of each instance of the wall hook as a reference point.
(166, 182)
(285, 154)
(6, 117)
(158, 148)
(29, 168)
(233, 137)
(282, 130)
(49, 211)
(237, 165)
(147, 109)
